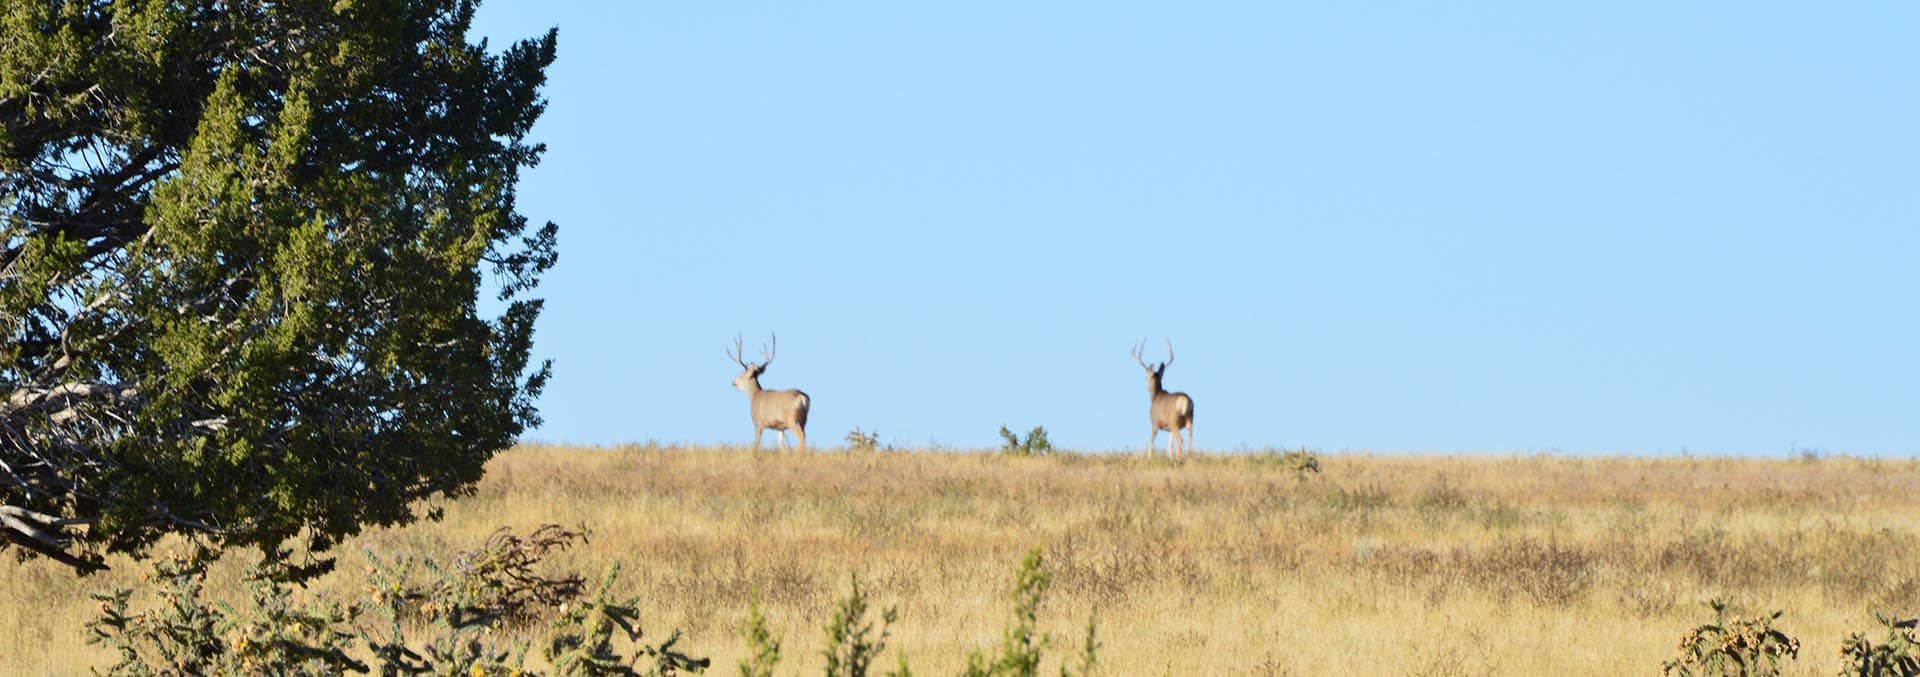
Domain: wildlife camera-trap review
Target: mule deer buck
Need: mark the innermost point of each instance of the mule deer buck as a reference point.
(1170, 411)
(777, 409)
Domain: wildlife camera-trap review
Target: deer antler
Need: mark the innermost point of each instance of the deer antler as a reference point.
(1136, 355)
(768, 354)
(735, 353)
(1169, 353)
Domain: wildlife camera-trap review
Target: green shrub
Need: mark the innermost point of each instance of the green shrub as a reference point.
(763, 649)
(1035, 443)
(582, 639)
(852, 643)
(443, 626)
(1022, 646)
(1898, 655)
(185, 634)
(1744, 646)
(863, 441)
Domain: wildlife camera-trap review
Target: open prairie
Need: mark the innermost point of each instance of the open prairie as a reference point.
(1223, 564)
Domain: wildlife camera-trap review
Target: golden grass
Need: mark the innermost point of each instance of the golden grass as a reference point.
(1218, 565)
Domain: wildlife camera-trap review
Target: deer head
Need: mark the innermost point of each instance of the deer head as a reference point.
(749, 378)
(1154, 371)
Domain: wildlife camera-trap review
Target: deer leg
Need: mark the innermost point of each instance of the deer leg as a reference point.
(802, 434)
(1189, 437)
(1150, 439)
(783, 439)
(756, 438)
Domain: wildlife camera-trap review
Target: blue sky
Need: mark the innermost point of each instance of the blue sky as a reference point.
(1625, 228)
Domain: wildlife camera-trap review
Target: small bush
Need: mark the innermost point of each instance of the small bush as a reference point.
(1898, 655)
(1022, 646)
(402, 626)
(1020, 649)
(852, 643)
(763, 649)
(1035, 443)
(1089, 650)
(582, 639)
(186, 634)
(1743, 646)
(1300, 461)
(500, 580)
(863, 441)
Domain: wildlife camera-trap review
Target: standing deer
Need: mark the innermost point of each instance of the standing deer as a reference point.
(777, 409)
(1170, 411)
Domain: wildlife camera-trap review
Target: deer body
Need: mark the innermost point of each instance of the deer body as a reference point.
(1169, 411)
(778, 410)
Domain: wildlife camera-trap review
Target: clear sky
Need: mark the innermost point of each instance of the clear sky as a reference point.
(1620, 228)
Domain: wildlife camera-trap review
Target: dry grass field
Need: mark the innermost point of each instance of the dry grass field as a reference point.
(1222, 565)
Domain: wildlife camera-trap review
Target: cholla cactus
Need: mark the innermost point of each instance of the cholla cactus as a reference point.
(445, 626)
(1744, 646)
(1899, 655)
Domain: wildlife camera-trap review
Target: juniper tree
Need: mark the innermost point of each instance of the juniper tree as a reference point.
(262, 278)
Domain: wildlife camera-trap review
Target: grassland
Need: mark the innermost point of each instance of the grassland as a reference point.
(1220, 565)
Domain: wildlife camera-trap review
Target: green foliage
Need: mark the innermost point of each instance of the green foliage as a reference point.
(852, 643)
(1022, 645)
(244, 251)
(442, 626)
(763, 649)
(185, 634)
(863, 441)
(1899, 654)
(582, 641)
(1035, 442)
(1089, 650)
(1742, 646)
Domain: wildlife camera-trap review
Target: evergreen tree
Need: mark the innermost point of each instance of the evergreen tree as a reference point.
(242, 251)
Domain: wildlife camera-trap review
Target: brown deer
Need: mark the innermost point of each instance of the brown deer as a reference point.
(777, 409)
(1170, 411)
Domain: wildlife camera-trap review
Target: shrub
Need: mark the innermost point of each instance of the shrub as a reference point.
(852, 643)
(763, 649)
(1300, 462)
(1898, 655)
(859, 441)
(582, 640)
(1035, 443)
(499, 579)
(1020, 648)
(450, 619)
(1744, 646)
(187, 635)
(1022, 645)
